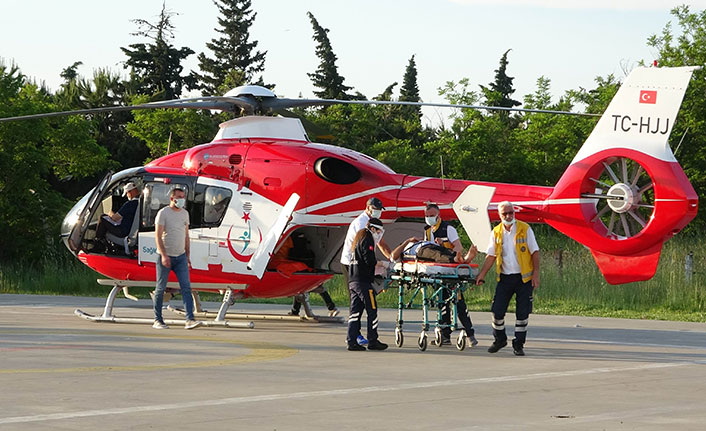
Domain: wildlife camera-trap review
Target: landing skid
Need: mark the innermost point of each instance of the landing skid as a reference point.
(118, 285)
(309, 315)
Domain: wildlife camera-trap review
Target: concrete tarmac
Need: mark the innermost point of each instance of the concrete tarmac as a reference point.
(61, 372)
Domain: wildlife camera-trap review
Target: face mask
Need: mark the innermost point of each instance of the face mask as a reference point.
(179, 203)
(377, 236)
(509, 223)
(375, 213)
(430, 220)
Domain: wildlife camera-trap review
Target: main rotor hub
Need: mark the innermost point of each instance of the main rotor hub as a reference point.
(625, 198)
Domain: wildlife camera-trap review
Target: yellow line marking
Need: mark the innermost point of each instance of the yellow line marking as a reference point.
(259, 352)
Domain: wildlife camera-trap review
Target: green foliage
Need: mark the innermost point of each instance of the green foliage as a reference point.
(187, 128)
(156, 67)
(235, 59)
(688, 49)
(32, 155)
(326, 76)
(499, 91)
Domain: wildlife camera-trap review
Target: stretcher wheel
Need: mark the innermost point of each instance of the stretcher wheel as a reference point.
(422, 341)
(399, 337)
(437, 336)
(461, 340)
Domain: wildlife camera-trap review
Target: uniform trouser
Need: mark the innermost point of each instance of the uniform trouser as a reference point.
(461, 312)
(362, 298)
(507, 286)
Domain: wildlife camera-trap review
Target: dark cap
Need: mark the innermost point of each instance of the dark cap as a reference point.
(376, 223)
(376, 203)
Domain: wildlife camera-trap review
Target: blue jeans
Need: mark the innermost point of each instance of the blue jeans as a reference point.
(180, 266)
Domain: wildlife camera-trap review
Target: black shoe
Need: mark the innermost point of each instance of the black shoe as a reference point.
(497, 346)
(517, 349)
(376, 345)
(356, 347)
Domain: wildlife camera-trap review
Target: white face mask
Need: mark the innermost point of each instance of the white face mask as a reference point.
(431, 220)
(374, 213)
(179, 203)
(509, 223)
(377, 236)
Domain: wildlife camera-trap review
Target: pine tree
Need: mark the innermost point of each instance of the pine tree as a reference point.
(236, 61)
(326, 76)
(157, 66)
(410, 90)
(498, 93)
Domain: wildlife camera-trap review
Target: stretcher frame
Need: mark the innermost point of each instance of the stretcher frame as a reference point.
(431, 288)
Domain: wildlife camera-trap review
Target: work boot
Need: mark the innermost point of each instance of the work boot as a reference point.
(376, 345)
(355, 347)
(517, 348)
(497, 345)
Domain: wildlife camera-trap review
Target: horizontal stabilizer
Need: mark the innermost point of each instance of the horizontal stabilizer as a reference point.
(628, 269)
(471, 208)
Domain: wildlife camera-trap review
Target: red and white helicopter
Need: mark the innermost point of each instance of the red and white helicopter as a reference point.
(261, 179)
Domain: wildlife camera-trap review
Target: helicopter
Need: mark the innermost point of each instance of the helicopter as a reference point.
(261, 180)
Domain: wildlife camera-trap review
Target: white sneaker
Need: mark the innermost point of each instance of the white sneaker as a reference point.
(159, 325)
(191, 324)
(333, 313)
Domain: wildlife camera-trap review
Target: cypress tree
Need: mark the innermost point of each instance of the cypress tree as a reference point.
(498, 93)
(326, 76)
(410, 90)
(236, 60)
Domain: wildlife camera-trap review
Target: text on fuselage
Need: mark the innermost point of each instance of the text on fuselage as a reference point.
(644, 125)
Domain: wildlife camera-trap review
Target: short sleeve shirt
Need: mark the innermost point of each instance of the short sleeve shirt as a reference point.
(510, 265)
(174, 234)
(359, 223)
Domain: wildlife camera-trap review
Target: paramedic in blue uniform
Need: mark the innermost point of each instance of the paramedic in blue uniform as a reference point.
(445, 235)
(361, 271)
(514, 250)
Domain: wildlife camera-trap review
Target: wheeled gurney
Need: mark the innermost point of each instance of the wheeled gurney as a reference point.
(428, 285)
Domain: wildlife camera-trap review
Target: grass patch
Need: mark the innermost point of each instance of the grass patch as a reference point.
(570, 284)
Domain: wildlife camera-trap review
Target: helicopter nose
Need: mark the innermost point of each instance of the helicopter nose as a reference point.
(71, 219)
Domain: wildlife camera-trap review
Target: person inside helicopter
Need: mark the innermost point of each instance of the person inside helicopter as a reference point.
(120, 223)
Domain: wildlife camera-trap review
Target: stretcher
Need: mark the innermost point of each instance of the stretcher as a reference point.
(430, 285)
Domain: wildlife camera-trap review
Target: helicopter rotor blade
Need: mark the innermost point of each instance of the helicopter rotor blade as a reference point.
(229, 104)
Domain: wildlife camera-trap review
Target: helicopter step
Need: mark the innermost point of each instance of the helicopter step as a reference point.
(122, 285)
(308, 316)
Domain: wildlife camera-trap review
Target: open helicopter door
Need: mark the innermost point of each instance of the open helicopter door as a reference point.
(471, 207)
(259, 260)
(86, 214)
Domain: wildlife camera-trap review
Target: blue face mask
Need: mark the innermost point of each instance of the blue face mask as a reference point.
(180, 203)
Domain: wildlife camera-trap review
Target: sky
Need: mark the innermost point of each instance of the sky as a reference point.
(571, 42)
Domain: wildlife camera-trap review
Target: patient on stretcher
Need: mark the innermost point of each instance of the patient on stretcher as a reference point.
(415, 249)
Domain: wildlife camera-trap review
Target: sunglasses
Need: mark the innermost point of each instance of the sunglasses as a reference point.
(507, 213)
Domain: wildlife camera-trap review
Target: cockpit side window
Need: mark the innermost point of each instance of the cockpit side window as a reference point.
(210, 205)
(156, 197)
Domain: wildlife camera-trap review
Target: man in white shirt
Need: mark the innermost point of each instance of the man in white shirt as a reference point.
(514, 250)
(373, 209)
(172, 235)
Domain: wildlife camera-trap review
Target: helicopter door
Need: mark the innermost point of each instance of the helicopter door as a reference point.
(84, 218)
(261, 257)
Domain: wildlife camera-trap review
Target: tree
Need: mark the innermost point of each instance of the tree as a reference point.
(689, 132)
(33, 153)
(410, 90)
(326, 76)
(499, 91)
(235, 56)
(157, 66)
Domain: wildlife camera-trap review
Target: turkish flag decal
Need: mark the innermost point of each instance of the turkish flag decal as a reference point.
(648, 96)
